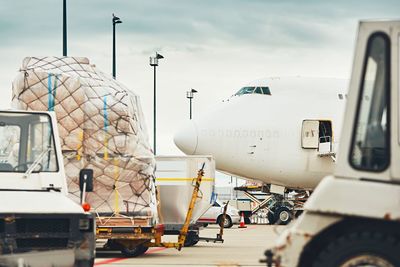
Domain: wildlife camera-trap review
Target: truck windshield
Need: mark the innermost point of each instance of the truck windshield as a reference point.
(23, 138)
(371, 138)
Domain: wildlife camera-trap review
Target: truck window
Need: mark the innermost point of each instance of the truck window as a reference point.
(40, 138)
(370, 147)
(24, 139)
(9, 140)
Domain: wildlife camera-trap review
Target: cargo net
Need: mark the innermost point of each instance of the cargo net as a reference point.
(101, 127)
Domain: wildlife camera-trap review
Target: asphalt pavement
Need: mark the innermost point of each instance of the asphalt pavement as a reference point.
(242, 247)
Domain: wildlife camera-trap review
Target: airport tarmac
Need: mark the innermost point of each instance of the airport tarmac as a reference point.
(242, 247)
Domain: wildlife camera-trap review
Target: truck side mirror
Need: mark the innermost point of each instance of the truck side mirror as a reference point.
(86, 175)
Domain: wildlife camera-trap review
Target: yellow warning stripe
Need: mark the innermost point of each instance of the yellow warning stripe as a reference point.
(185, 179)
(80, 145)
(105, 157)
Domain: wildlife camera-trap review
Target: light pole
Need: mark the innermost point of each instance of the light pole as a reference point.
(189, 95)
(154, 63)
(115, 20)
(64, 28)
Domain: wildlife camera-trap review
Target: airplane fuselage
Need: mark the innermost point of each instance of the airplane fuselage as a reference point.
(261, 137)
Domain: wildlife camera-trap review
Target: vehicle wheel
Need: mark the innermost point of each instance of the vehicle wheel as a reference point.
(227, 223)
(190, 242)
(247, 220)
(192, 239)
(134, 252)
(360, 249)
(85, 263)
(283, 215)
(271, 218)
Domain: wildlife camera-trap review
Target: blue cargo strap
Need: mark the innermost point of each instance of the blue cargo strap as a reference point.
(51, 91)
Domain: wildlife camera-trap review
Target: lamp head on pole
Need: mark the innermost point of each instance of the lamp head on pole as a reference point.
(190, 94)
(154, 60)
(115, 19)
(159, 56)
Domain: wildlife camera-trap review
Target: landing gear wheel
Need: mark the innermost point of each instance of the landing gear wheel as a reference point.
(134, 252)
(283, 215)
(227, 223)
(360, 249)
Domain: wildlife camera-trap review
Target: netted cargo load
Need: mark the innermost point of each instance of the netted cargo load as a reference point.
(101, 127)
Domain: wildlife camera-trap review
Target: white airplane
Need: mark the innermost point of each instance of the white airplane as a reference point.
(281, 131)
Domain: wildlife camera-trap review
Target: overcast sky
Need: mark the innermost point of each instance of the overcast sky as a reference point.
(214, 46)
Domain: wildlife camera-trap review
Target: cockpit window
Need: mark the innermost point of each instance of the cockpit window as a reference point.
(254, 90)
(245, 90)
(258, 91)
(266, 90)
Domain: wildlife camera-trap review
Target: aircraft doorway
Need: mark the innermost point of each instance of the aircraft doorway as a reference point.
(315, 133)
(325, 131)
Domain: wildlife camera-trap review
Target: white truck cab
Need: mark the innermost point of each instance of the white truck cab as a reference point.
(36, 214)
(353, 217)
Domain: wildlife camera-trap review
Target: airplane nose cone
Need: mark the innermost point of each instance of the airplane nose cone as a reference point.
(186, 138)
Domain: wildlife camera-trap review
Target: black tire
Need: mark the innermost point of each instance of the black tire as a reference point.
(359, 249)
(228, 221)
(192, 239)
(283, 215)
(85, 263)
(135, 252)
(271, 218)
(247, 220)
(190, 242)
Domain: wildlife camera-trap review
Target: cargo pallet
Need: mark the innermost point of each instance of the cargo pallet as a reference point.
(134, 235)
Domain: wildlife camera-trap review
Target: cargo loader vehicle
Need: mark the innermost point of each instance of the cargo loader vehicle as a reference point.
(353, 216)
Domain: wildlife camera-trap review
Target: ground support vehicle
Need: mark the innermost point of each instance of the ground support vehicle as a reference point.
(219, 236)
(36, 215)
(174, 184)
(192, 237)
(281, 207)
(353, 217)
(133, 237)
